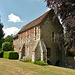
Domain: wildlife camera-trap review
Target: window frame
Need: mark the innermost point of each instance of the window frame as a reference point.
(35, 31)
(53, 36)
(49, 51)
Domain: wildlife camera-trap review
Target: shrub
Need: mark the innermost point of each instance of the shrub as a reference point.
(10, 55)
(71, 54)
(27, 60)
(1, 53)
(6, 46)
(6, 55)
(42, 63)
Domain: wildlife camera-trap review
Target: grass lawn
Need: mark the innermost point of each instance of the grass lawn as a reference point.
(15, 67)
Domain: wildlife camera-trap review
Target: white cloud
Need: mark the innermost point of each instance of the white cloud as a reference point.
(14, 18)
(11, 30)
(48, 9)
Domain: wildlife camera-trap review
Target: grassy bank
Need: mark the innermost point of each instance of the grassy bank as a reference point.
(15, 67)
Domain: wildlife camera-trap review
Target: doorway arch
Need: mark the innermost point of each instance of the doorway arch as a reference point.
(49, 62)
(23, 50)
(58, 63)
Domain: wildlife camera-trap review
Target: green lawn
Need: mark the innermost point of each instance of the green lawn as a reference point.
(15, 67)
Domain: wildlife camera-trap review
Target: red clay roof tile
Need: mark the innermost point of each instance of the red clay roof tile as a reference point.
(33, 23)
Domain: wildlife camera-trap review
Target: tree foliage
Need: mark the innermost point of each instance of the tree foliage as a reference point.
(1, 41)
(8, 43)
(6, 46)
(9, 38)
(1, 31)
(66, 10)
(1, 53)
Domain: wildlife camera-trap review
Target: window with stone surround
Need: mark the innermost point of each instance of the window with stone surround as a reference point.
(53, 36)
(48, 52)
(35, 31)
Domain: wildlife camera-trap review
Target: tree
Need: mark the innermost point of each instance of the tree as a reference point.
(1, 35)
(66, 10)
(1, 41)
(6, 46)
(1, 31)
(9, 38)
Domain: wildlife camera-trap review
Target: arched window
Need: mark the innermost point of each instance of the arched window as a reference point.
(48, 52)
(35, 31)
(53, 36)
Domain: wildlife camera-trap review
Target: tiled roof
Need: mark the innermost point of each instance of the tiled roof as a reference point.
(33, 23)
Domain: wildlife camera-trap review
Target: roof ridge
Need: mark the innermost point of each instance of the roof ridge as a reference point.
(36, 18)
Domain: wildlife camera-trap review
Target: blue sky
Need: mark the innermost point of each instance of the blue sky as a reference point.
(17, 13)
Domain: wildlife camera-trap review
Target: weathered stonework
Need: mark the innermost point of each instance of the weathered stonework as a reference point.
(46, 35)
(36, 46)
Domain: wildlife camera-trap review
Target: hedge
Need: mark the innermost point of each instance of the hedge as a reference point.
(10, 55)
(1, 53)
(42, 63)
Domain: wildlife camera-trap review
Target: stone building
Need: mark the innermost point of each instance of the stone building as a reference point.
(37, 40)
